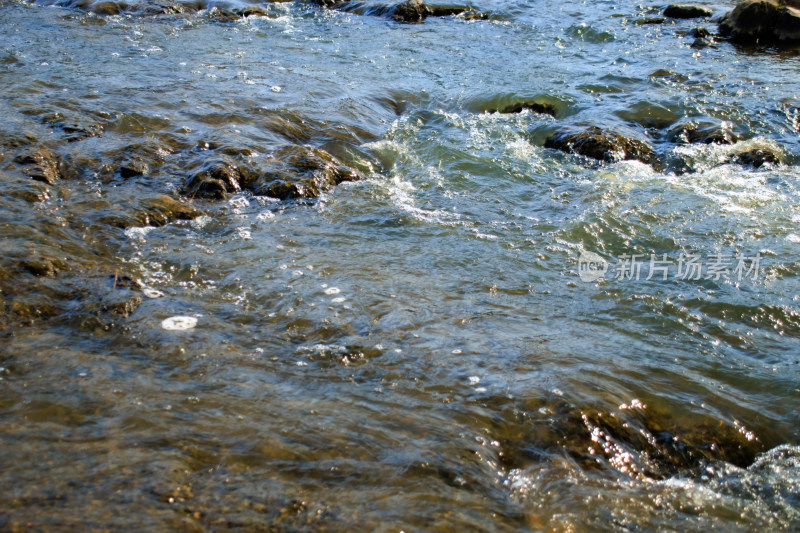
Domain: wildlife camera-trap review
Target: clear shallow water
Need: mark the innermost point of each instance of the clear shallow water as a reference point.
(415, 350)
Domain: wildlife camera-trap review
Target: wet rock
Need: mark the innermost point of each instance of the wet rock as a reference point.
(27, 190)
(411, 11)
(166, 7)
(674, 76)
(475, 15)
(75, 130)
(40, 165)
(222, 15)
(649, 20)
(329, 3)
(702, 38)
(216, 180)
(161, 210)
(302, 172)
(757, 158)
(43, 266)
(651, 115)
(537, 106)
(18, 141)
(597, 144)
(699, 44)
(686, 11)
(252, 11)
(134, 166)
(763, 22)
(108, 8)
(439, 10)
(647, 443)
(704, 132)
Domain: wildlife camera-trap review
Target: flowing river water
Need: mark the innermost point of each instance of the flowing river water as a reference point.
(417, 349)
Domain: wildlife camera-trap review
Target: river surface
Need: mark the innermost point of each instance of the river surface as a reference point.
(417, 350)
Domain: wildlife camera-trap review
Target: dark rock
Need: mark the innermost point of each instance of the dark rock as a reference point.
(329, 3)
(651, 115)
(700, 33)
(18, 141)
(222, 15)
(412, 11)
(544, 108)
(650, 20)
(684, 11)
(167, 7)
(75, 130)
(123, 306)
(216, 179)
(475, 15)
(124, 281)
(108, 8)
(699, 44)
(692, 132)
(601, 145)
(448, 10)
(757, 158)
(43, 266)
(656, 442)
(763, 22)
(252, 11)
(40, 165)
(134, 166)
(302, 172)
(161, 210)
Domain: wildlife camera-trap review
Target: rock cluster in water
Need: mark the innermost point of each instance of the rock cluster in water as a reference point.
(763, 22)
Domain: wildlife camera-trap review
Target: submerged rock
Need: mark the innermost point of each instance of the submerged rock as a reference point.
(76, 129)
(134, 166)
(161, 210)
(302, 172)
(292, 172)
(638, 441)
(43, 266)
(686, 11)
(216, 179)
(703, 132)
(601, 145)
(763, 22)
(40, 165)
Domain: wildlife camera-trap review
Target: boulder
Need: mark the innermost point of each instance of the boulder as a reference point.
(763, 22)
(412, 11)
(685, 11)
(601, 145)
